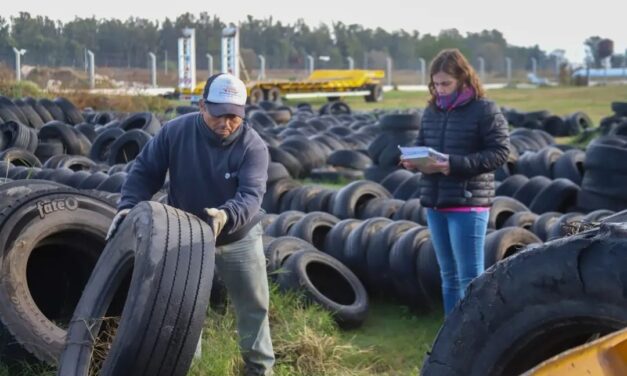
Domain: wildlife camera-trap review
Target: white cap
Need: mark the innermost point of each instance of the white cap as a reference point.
(225, 94)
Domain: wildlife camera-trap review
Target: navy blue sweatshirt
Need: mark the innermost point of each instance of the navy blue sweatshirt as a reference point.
(205, 171)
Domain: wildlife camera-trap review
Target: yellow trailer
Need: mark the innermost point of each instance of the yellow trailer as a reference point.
(331, 84)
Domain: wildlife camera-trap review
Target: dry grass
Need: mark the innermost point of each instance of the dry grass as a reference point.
(120, 103)
(102, 345)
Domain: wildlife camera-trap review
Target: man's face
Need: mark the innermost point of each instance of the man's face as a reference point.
(223, 126)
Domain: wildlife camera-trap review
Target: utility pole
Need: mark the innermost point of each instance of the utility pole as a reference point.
(18, 63)
(481, 68)
(165, 62)
(310, 66)
(351, 63)
(92, 70)
(153, 68)
(262, 68)
(508, 68)
(423, 71)
(388, 67)
(210, 64)
(534, 66)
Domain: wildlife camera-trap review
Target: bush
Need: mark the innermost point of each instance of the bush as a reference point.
(14, 89)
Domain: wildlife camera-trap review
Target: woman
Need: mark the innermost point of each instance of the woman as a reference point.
(457, 193)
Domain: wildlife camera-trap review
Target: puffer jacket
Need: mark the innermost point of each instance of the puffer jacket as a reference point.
(476, 137)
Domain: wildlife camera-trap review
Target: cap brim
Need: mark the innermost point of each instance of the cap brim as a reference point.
(222, 109)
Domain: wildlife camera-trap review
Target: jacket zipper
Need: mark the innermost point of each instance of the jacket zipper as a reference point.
(437, 189)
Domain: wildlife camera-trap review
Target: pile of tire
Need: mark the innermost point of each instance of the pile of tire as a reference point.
(615, 124)
(396, 129)
(529, 308)
(327, 146)
(555, 125)
(52, 140)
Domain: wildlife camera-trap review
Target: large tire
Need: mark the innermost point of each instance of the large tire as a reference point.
(55, 111)
(533, 306)
(70, 137)
(170, 256)
(530, 189)
(59, 235)
(543, 223)
(327, 282)
(350, 159)
(357, 242)
(510, 185)
(570, 166)
(283, 223)
(271, 202)
(351, 199)
(17, 135)
(41, 111)
(280, 249)
(72, 115)
(410, 188)
(20, 157)
(394, 180)
(335, 241)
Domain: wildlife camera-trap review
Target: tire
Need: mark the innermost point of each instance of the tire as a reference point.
(94, 180)
(262, 119)
(376, 94)
(394, 180)
(256, 95)
(101, 146)
(555, 126)
(41, 111)
(280, 249)
(303, 196)
(144, 121)
(88, 130)
(327, 282)
(560, 195)
(20, 157)
(407, 209)
(606, 183)
(502, 209)
(291, 163)
(543, 223)
(510, 185)
(351, 199)
(590, 201)
(530, 190)
(409, 188)
(67, 135)
(524, 219)
(17, 135)
(271, 202)
(619, 108)
(597, 216)
(15, 190)
(77, 179)
(321, 201)
(357, 242)
(48, 149)
(314, 227)
(173, 254)
(10, 112)
(77, 163)
(375, 148)
(429, 279)
(379, 274)
(113, 183)
(540, 163)
(400, 122)
(566, 225)
(335, 241)
(349, 158)
(377, 173)
(403, 264)
(128, 146)
(276, 171)
(54, 110)
(283, 223)
(34, 121)
(564, 293)
(505, 243)
(70, 112)
(570, 166)
(381, 207)
(59, 235)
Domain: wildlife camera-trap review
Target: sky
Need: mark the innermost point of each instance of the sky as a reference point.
(551, 24)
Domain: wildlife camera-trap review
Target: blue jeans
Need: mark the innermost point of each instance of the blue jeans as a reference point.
(242, 267)
(458, 239)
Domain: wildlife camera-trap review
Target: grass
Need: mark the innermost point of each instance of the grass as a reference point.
(595, 101)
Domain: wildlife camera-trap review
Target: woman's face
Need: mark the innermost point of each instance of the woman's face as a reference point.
(444, 83)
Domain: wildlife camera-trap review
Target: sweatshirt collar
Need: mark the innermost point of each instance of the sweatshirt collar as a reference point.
(216, 140)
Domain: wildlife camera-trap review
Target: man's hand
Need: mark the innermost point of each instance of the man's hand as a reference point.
(217, 219)
(119, 217)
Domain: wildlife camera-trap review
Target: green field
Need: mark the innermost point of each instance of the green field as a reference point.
(392, 341)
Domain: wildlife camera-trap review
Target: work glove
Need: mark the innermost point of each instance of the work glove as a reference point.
(217, 219)
(119, 217)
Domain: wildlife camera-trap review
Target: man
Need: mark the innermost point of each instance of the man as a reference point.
(217, 167)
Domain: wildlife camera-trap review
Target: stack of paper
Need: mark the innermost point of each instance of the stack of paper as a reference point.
(421, 155)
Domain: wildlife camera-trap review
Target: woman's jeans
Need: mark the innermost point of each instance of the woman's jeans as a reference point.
(458, 239)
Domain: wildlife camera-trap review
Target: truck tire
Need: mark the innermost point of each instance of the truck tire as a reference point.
(59, 234)
(351, 199)
(283, 223)
(327, 282)
(505, 243)
(535, 305)
(170, 256)
(376, 93)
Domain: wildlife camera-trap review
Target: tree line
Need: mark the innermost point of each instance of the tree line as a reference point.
(126, 43)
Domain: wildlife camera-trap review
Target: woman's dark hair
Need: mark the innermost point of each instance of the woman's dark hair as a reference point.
(452, 62)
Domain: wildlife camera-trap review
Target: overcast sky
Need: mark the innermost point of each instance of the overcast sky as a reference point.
(551, 24)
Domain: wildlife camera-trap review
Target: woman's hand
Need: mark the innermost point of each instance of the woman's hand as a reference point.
(408, 165)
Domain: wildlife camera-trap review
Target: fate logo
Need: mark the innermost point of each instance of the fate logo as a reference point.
(46, 207)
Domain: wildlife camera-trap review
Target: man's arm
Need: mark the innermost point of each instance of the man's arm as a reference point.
(252, 178)
(148, 172)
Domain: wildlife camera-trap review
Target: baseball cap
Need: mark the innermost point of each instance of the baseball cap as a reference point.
(225, 94)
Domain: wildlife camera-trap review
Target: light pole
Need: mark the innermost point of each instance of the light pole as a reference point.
(351, 63)
(153, 69)
(508, 68)
(388, 67)
(310, 60)
(210, 64)
(481, 68)
(18, 63)
(262, 67)
(534, 66)
(423, 70)
(92, 70)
